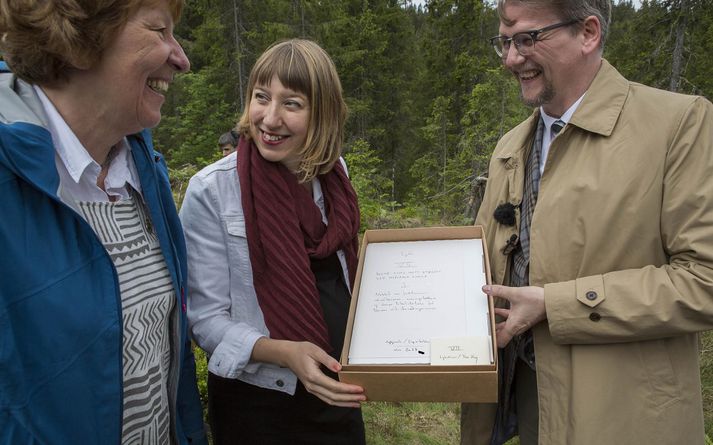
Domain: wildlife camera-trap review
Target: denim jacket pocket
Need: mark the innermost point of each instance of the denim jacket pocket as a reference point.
(235, 225)
(238, 253)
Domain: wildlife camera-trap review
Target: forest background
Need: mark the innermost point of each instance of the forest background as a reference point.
(428, 101)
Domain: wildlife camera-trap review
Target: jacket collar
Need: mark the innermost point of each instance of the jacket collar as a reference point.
(520, 140)
(20, 102)
(598, 113)
(26, 146)
(602, 105)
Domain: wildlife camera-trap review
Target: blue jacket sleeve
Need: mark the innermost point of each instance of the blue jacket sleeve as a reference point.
(189, 406)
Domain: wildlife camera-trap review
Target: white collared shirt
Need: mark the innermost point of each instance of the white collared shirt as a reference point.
(78, 171)
(547, 136)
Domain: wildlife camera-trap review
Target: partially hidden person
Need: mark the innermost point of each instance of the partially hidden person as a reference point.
(228, 142)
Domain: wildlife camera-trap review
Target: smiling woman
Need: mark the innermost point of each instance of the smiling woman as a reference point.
(92, 305)
(271, 234)
(279, 119)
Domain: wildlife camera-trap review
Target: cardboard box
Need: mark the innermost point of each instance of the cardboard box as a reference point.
(421, 383)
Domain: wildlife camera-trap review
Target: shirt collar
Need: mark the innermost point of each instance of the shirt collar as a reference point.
(78, 161)
(566, 116)
(72, 153)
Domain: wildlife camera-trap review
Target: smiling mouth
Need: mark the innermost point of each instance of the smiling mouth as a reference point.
(267, 137)
(528, 75)
(158, 85)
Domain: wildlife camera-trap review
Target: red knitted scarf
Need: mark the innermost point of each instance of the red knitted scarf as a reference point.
(284, 230)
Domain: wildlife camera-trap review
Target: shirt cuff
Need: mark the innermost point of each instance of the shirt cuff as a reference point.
(232, 356)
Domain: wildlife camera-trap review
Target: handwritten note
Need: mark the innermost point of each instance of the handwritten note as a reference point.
(412, 292)
(461, 351)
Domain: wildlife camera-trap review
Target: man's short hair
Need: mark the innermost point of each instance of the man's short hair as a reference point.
(231, 137)
(568, 10)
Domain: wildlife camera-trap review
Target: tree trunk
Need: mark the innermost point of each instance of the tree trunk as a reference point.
(680, 31)
(238, 25)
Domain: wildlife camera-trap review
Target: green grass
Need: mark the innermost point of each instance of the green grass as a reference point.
(439, 423)
(707, 381)
(412, 423)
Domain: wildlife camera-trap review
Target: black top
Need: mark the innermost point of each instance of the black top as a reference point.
(334, 297)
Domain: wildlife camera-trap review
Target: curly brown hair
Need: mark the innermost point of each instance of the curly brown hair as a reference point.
(42, 40)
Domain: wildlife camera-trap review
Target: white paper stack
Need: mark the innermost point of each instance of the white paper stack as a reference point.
(414, 292)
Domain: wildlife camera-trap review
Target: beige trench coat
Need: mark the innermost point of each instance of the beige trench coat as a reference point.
(622, 241)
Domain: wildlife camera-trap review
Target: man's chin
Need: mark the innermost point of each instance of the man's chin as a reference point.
(537, 100)
(531, 101)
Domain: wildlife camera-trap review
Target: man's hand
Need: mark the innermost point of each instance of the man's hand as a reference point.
(527, 308)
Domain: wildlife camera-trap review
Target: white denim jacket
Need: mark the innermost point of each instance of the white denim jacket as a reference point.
(223, 312)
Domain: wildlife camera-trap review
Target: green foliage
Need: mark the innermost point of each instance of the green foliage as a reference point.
(189, 138)
(372, 187)
(179, 181)
(433, 172)
(642, 43)
(202, 377)
(200, 106)
(425, 91)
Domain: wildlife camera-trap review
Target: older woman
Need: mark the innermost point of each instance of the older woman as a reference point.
(93, 342)
(271, 234)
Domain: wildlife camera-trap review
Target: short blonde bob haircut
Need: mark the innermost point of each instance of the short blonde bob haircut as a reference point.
(43, 40)
(303, 66)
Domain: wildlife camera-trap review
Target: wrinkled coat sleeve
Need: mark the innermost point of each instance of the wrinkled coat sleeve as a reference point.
(654, 301)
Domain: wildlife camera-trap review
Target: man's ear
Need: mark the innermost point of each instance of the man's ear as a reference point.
(591, 34)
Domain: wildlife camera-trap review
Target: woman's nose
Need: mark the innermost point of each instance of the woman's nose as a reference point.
(178, 58)
(272, 116)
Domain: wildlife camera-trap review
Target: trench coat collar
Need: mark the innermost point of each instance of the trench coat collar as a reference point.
(598, 113)
(602, 105)
(521, 137)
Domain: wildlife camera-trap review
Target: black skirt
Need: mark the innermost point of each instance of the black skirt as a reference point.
(244, 414)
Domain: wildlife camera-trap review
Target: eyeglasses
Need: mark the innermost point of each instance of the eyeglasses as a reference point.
(524, 41)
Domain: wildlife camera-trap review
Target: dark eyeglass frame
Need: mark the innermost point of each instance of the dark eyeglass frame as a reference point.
(501, 44)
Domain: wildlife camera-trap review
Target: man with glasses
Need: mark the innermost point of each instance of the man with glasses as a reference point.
(599, 219)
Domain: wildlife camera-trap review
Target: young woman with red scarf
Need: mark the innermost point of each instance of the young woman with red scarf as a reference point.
(272, 248)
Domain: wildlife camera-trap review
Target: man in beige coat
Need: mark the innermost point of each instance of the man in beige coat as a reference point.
(619, 251)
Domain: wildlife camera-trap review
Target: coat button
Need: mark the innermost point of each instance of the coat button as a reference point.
(594, 316)
(591, 295)
(280, 383)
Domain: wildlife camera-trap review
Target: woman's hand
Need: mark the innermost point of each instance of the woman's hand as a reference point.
(305, 359)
